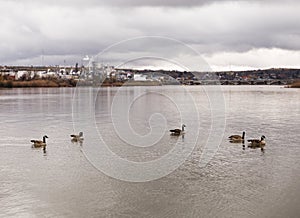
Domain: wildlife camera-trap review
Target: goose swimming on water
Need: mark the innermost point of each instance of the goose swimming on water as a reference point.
(237, 138)
(178, 132)
(39, 143)
(76, 138)
(254, 143)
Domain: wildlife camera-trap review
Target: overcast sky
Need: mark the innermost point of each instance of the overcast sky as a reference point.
(152, 33)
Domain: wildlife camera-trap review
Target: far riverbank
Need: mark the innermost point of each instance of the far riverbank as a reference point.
(55, 83)
(37, 83)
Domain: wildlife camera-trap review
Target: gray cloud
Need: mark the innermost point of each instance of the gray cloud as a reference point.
(142, 3)
(71, 29)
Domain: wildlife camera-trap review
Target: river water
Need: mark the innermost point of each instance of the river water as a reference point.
(128, 165)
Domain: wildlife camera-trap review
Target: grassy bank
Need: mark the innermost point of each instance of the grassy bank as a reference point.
(54, 83)
(294, 85)
(37, 83)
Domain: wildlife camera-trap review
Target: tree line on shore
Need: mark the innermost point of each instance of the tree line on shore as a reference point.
(268, 74)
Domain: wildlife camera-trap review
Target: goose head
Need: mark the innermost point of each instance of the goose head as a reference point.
(183, 125)
(263, 137)
(44, 138)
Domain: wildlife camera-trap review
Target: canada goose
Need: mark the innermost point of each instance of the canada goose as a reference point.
(76, 138)
(39, 143)
(178, 132)
(237, 138)
(257, 142)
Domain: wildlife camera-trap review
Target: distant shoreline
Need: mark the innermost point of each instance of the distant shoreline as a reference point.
(108, 76)
(56, 83)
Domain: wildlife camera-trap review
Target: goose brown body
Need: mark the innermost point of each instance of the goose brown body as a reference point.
(178, 132)
(39, 143)
(78, 137)
(257, 142)
(237, 138)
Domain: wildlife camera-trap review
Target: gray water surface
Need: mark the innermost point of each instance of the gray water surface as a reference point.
(64, 182)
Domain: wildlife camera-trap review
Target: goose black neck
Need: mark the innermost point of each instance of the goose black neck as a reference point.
(44, 139)
(243, 136)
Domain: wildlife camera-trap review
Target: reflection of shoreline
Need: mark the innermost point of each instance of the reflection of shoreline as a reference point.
(120, 83)
(142, 83)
